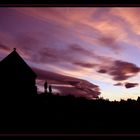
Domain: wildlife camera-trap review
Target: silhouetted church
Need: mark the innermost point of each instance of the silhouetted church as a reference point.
(16, 78)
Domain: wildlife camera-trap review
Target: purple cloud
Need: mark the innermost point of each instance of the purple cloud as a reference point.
(131, 85)
(118, 84)
(79, 86)
(121, 70)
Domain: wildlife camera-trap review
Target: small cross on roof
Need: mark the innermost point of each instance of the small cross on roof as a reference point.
(14, 49)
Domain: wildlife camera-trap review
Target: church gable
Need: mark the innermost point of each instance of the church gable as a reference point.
(13, 63)
(16, 77)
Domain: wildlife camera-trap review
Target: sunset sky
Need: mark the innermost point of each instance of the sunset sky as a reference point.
(81, 51)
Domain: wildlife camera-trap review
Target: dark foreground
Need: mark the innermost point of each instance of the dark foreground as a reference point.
(56, 114)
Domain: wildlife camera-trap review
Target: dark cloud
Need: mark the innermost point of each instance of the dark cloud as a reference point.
(81, 50)
(131, 85)
(127, 84)
(86, 65)
(51, 53)
(110, 42)
(78, 85)
(121, 70)
(118, 84)
(28, 42)
(68, 57)
(4, 47)
(102, 71)
(107, 40)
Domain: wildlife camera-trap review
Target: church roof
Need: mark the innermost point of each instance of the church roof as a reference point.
(15, 60)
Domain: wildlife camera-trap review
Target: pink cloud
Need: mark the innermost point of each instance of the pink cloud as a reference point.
(78, 86)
